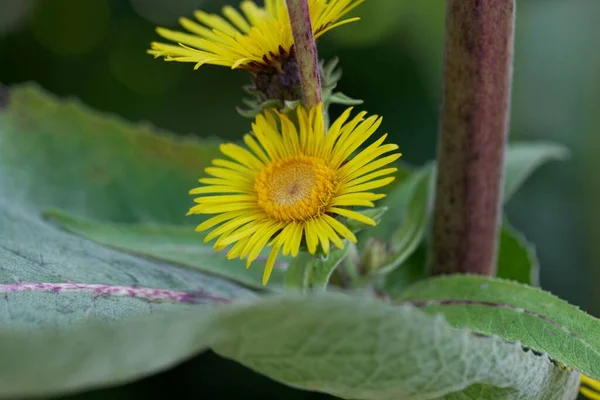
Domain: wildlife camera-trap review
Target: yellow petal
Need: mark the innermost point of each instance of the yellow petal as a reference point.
(270, 264)
(352, 215)
(340, 228)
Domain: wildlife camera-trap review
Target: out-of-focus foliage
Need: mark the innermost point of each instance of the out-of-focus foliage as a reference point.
(392, 59)
(92, 165)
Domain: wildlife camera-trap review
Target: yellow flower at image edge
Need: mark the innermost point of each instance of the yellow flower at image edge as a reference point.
(253, 40)
(590, 388)
(290, 185)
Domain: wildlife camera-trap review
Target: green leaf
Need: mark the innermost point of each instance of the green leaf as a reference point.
(314, 271)
(356, 348)
(521, 160)
(34, 251)
(323, 267)
(517, 260)
(351, 347)
(341, 98)
(48, 362)
(401, 234)
(516, 313)
(175, 244)
(61, 154)
(524, 158)
(54, 153)
(297, 275)
(562, 388)
(409, 213)
(410, 234)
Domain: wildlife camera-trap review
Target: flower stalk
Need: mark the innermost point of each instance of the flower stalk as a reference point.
(474, 124)
(305, 50)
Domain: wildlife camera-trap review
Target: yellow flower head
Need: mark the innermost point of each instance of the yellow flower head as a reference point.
(255, 39)
(293, 184)
(590, 388)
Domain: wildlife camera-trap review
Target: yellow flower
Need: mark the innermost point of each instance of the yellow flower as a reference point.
(292, 184)
(257, 39)
(590, 388)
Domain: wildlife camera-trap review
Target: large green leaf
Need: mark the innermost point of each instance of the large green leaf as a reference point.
(515, 312)
(33, 251)
(58, 153)
(62, 154)
(171, 243)
(351, 347)
(562, 388)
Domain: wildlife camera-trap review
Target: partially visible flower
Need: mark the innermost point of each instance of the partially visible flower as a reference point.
(590, 388)
(256, 39)
(293, 186)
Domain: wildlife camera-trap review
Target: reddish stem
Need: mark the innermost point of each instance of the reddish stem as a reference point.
(306, 51)
(475, 114)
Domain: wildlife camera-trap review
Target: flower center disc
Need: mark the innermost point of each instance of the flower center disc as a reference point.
(296, 188)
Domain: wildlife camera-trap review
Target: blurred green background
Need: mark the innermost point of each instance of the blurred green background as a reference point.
(95, 50)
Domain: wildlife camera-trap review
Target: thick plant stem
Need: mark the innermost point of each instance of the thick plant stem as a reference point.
(474, 124)
(306, 51)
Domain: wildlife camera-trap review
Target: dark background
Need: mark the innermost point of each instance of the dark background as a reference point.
(95, 50)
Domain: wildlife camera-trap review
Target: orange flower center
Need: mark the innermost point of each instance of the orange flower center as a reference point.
(295, 188)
